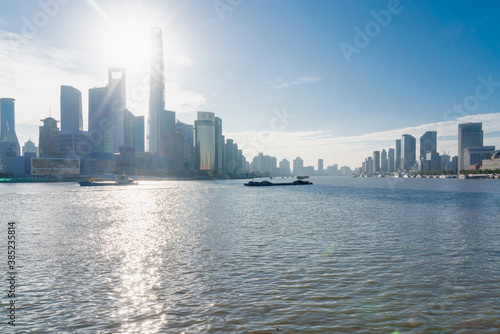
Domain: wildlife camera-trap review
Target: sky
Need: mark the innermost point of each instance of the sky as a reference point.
(317, 79)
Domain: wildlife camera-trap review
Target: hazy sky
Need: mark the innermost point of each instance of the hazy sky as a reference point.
(317, 79)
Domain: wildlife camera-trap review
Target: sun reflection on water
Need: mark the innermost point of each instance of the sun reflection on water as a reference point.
(132, 243)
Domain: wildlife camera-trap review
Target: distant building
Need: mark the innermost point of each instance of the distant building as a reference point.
(493, 162)
(434, 161)
(157, 91)
(397, 159)
(408, 152)
(428, 143)
(9, 144)
(453, 165)
(74, 145)
(469, 134)
(384, 163)
(320, 166)
(48, 138)
(219, 145)
(205, 141)
(391, 161)
(30, 149)
(187, 131)
(474, 155)
(284, 168)
(54, 166)
(298, 166)
(71, 110)
(445, 159)
(376, 162)
(139, 134)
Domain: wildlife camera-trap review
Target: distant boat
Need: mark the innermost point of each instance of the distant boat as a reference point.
(302, 177)
(268, 183)
(120, 180)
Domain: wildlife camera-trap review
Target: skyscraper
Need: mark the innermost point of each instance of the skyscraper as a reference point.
(48, 142)
(117, 105)
(469, 134)
(390, 162)
(320, 166)
(219, 145)
(397, 159)
(428, 143)
(376, 162)
(298, 166)
(383, 161)
(204, 135)
(156, 91)
(8, 137)
(408, 151)
(71, 110)
(100, 124)
(139, 133)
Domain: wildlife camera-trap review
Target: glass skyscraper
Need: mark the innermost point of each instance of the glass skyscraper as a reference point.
(397, 159)
(205, 138)
(469, 134)
(428, 143)
(156, 91)
(71, 110)
(408, 151)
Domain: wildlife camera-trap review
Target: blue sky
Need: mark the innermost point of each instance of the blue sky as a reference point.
(426, 66)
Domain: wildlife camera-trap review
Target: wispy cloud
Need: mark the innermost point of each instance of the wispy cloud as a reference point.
(351, 150)
(281, 83)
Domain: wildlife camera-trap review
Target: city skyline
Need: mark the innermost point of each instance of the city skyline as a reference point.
(205, 46)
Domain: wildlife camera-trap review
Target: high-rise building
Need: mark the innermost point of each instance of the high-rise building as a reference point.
(204, 129)
(117, 104)
(219, 145)
(100, 124)
(298, 166)
(384, 164)
(48, 142)
(157, 90)
(9, 144)
(408, 151)
(284, 168)
(187, 131)
(71, 110)
(390, 162)
(30, 149)
(320, 166)
(397, 159)
(139, 133)
(469, 134)
(376, 162)
(428, 143)
(434, 161)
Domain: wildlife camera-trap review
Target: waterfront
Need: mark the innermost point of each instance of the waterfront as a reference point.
(364, 255)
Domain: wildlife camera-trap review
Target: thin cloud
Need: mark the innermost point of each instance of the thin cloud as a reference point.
(280, 83)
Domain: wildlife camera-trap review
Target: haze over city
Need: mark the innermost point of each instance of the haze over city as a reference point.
(351, 76)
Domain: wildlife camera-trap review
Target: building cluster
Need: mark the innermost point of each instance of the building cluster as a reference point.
(265, 165)
(115, 140)
(472, 154)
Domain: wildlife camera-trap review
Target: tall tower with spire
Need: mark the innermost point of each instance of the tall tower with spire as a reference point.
(156, 91)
